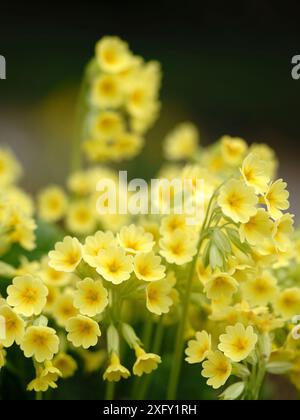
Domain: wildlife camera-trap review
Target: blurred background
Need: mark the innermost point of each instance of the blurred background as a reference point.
(226, 67)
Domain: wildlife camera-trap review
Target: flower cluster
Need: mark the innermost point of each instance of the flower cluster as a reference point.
(228, 285)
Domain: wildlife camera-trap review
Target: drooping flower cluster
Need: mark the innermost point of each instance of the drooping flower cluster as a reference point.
(228, 284)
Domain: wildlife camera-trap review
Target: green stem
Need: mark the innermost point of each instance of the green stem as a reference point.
(179, 346)
(39, 396)
(110, 391)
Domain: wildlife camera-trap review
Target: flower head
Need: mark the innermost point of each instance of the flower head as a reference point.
(221, 286)
(276, 198)
(254, 174)
(217, 368)
(233, 149)
(114, 265)
(261, 289)
(238, 201)
(159, 296)
(148, 267)
(238, 342)
(257, 229)
(52, 204)
(198, 349)
(182, 142)
(115, 371)
(14, 327)
(287, 303)
(40, 342)
(91, 298)
(145, 362)
(113, 54)
(83, 331)
(28, 295)
(135, 240)
(94, 244)
(67, 255)
(177, 248)
(65, 364)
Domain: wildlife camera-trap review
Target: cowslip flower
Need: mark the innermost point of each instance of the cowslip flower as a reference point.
(107, 125)
(135, 240)
(113, 54)
(177, 248)
(238, 342)
(283, 228)
(145, 362)
(83, 331)
(233, 149)
(182, 142)
(217, 368)
(52, 204)
(63, 308)
(148, 267)
(96, 243)
(253, 173)
(10, 169)
(257, 229)
(81, 218)
(107, 91)
(276, 198)
(65, 364)
(14, 327)
(67, 255)
(115, 371)
(221, 286)
(238, 201)
(40, 342)
(159, 296)
(287, 303)
(91, 298)
(43, 383)
(53, 277)
(27, 295)
(114, 265)
(261, 289)
(199, 348)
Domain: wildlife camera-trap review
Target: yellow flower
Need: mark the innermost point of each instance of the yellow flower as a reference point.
(254, 174)
(65, 364)
(40, 342)
(276, 198)
(115, 371)
(238, 201)
(14, 327)
(145, 362)
(91, 298)
(257, 229)
(198, 349)
(217, 368)
(81, 218)
(107, 91)
(134, 239)
(107, 125)
(204, 273)
(93, 360)
(233, 149)
(283, 228)
(52, 204)
(177, 248)
(260, 290)
(148, 267)
(10, 169)
(83, 331)
(159, 296)
(52, 277)
(267, 155)
(67, 255)
(238, 342)
(28, 295)
(182, 142)
(221, 286)
(53, 294)
(126, 146)
(94, 244)
(288, 302)
(43, 383)
(63, 309)
(113, 54)
(170, 224)
(114, 265)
